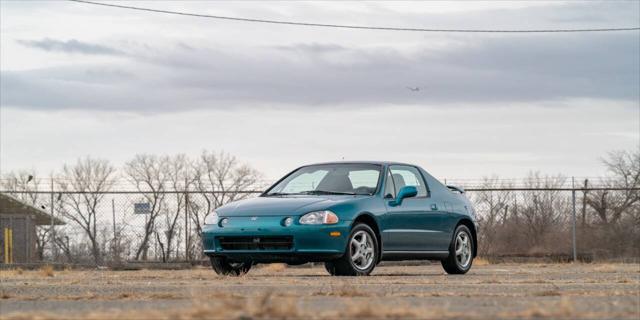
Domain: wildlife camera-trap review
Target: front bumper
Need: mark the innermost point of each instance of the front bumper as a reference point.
(310, 243)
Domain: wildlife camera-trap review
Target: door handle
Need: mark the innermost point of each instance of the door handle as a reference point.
(434, 207)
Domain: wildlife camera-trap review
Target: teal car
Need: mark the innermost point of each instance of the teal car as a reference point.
(349, 215)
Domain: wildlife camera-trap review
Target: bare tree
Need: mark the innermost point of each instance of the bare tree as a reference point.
(179, 176)
(221, 178)
(148, 173)
(492, 208)
(62, 240)
(609, 206)
(542, 210)
(24, 184)
(83, 186)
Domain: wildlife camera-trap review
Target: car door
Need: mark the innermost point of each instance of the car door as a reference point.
(416, 224)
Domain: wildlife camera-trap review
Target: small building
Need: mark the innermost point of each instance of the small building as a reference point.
(18, 222)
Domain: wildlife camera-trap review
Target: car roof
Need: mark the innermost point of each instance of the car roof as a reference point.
(363, 162)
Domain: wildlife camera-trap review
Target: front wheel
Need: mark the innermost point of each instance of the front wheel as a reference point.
(361, 254)
(223, 267)
(460, 256)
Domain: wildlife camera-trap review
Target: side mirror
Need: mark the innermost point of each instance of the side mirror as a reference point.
(405, 192)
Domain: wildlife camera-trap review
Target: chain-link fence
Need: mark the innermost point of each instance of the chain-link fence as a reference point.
(568, 223)
(115, 227)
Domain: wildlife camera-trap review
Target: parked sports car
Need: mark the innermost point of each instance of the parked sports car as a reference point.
(349, 215)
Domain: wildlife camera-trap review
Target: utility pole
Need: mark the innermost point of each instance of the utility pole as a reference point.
(573, 218)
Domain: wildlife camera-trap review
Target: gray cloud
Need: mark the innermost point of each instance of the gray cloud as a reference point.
(492, 70)
(70, 46)
(467, 69)
(312, 48)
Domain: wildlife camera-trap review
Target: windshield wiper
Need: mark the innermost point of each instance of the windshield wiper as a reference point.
(326, 192)
(278, 194)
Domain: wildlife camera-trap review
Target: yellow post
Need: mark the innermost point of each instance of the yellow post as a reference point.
(6, 245)
(10, 245)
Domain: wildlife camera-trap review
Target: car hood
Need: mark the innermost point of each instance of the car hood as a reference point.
(279, 206)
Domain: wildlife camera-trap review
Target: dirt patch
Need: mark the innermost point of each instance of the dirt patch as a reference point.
(422, 292)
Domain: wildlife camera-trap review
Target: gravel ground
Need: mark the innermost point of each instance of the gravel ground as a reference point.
(274, 291)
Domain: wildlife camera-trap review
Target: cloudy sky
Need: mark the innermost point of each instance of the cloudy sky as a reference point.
(81, 80)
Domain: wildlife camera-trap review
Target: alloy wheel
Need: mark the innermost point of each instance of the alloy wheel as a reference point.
(463, 249)
(362, 250)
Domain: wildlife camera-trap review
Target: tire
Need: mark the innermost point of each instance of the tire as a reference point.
(224, 268)
(360, 256)
(461, 262)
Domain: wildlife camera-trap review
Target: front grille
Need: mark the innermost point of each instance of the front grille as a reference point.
(256, 243)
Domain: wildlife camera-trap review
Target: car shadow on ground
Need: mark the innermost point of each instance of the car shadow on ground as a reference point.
(373, 275)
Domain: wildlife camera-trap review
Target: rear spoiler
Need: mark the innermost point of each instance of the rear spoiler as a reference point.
(456, 189)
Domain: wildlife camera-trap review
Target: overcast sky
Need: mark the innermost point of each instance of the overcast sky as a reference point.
(81, 80)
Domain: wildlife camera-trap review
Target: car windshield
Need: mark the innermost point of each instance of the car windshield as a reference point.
(328, 179)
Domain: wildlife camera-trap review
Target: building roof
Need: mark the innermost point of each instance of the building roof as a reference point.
(11, 205)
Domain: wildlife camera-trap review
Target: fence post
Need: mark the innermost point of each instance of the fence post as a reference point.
(52, 235)
(186, 221)
(115, 243)
(573, 218)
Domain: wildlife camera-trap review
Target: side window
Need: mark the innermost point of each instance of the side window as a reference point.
(408, 176)
(389, 188)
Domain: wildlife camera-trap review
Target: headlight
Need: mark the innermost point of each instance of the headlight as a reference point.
(211, 218)
(319, 217)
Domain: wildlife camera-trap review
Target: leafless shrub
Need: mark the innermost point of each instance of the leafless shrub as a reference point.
(494, 212)
(47, 271)
(616, 213)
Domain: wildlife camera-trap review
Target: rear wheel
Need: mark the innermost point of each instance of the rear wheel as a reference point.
(360, 256)
(223, 267)
(460, 256)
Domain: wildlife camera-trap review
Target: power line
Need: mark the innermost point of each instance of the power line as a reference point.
(308, 24)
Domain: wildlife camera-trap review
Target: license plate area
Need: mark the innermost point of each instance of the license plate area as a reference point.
(256, 243)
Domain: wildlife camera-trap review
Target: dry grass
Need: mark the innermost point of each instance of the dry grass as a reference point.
(268, 306)
(344, 290)
(47, 271)
(265, 306)
(274, 267)
(606, 267)
(563, 309)
(11, 272)
(534, 281)
(547, 293)
(362, 309)
(480, 261)
(493, 280)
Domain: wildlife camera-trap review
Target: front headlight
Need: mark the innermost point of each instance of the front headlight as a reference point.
(319, 217)
(211, 218)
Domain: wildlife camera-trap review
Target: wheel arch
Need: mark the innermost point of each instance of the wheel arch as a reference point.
(370, 220)
(472, 227)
